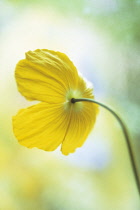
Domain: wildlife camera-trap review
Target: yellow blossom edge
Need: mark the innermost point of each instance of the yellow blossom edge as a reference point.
(52, 78)
(45, 75)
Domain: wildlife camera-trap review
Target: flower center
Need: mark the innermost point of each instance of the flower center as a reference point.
(69, 104)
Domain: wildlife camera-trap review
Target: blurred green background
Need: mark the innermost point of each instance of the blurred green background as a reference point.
(102, 38)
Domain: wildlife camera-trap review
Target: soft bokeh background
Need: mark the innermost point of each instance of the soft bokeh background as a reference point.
(102, 39)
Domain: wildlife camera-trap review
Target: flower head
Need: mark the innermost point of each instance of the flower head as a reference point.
(51, 78)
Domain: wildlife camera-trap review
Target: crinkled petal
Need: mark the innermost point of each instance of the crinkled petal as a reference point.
(43, 126)
(46, 75)
(80, 125)
(82, 119)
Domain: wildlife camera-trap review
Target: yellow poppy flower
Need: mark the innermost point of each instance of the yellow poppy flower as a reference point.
(50, 77)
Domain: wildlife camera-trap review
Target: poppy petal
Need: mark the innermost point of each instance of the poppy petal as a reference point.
(46, 76)
(43, 126)
(81, 124)
(82, 120)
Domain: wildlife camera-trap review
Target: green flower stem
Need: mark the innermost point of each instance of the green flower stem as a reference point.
(124, 130)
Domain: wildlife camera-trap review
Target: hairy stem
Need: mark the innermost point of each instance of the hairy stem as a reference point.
(124, 130)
